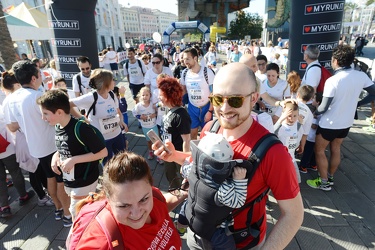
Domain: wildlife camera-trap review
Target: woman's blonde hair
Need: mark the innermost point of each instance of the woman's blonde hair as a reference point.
(100, 78)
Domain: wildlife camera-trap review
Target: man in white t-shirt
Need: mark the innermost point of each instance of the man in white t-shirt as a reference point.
(25, 114)
(313, 71)
(112, 59)
(262, 65)
(340, 96)
(197, 83)
(263, 118)
(81, 80)
(135, 71)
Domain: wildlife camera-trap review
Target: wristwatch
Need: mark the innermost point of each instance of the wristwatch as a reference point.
(211, 111)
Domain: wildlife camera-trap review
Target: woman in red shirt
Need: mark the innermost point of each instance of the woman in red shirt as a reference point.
(140, 210)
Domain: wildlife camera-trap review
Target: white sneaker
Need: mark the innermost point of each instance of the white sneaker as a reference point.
(46, 201)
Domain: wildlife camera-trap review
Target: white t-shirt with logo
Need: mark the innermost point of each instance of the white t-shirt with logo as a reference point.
(196, 86)
(290, 136)
(40, 136)
(140, 109)
(135, 72)
(276, 92)
(150, 77)
(85, 84)
(345, 87)
(106, 117)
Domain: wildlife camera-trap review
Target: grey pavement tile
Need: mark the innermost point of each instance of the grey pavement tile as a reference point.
(344, 208)
(349, 166)
(347, 154)
(367, 159)
(344, 238)
(365, 183)
(364, 233)
(370, 147)
(57, 245)
(24, 228)
(343, 184)
(323, 209)
(63, 234)
(309, 238)
(353, 147)
(293, 244)
(41, 238)
(363, 208)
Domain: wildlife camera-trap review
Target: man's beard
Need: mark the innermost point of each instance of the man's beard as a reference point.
(230, 125)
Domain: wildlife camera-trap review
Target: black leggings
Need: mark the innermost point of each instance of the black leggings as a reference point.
(38, 180)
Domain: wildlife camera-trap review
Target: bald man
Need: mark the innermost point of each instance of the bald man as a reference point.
(276, 168)
(250, 61)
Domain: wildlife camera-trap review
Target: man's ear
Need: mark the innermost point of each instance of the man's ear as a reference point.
(255, 97)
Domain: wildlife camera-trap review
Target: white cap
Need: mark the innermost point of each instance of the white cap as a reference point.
(216, 146)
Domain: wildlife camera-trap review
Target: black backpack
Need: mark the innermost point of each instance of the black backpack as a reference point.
(257, 154)
(184, 73)
(79, 83)
(95, 94)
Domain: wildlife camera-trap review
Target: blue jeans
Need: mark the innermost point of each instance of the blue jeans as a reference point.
(221, 241)
(114, 146)
(308, 157)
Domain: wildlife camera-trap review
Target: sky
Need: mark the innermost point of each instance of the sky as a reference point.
(256, 6)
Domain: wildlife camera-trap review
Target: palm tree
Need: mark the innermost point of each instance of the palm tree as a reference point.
(369, 2)
(7, 53)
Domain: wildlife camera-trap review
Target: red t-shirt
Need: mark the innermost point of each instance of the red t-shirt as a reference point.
(160, 234)
(276, 171)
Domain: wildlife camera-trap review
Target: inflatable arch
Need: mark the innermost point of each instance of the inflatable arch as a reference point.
(186, 25)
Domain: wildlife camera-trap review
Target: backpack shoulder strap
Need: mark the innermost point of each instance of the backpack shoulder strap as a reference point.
(95, 94)
(127, 65)
(79, 83)
(314, 65)
(205, 74)
(260, 149)
(140, 65)
(215, 126)
(77, 133)
(112, 95)
(109, 225)
(184, 73)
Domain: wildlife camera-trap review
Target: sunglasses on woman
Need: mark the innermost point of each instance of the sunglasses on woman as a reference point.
(235, 101)
(158, 62)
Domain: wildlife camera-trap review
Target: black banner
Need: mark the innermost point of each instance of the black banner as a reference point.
(316, 22)
(73, 25)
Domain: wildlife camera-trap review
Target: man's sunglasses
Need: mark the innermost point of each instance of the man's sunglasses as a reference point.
(158, 62)
(235, 101)
(83, 69)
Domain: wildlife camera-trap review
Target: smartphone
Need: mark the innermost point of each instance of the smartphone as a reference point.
(154, 138)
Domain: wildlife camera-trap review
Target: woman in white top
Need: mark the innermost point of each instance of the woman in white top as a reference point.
(158, 68)
(273, 90)
(211, 55)
(104, 113)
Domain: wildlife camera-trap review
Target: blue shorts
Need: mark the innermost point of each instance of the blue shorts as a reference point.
(145, 130)
(197, 115)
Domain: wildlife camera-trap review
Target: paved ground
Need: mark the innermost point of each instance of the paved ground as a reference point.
(343, 218)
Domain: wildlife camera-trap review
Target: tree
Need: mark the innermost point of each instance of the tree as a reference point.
(7, 52)
(369, 2)
(245, 24)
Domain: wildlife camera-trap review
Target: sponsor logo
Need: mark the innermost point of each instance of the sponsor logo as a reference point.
(319, 8)
(325, 64)
(323, 47)
(66, 42)
(68, 75)
(65, 59)
(64, 24)
(321, 28)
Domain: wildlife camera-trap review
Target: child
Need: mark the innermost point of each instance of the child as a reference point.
(60, 83)
(79, 150)
(231, 192)
(123, 105)
(277, 60)
(308, 158)
(294, 81)
(305, 94)
(146, 114)
(287, 128)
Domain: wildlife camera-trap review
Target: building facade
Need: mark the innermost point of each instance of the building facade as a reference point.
(109, 25)
(140, 23)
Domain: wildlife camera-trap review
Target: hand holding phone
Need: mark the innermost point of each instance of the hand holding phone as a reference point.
(155, 138)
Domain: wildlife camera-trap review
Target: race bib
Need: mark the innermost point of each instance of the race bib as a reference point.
(166, 136)
(133, 71)
(292, 142)
(109, 125)
(196, 97)
(69, 176)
